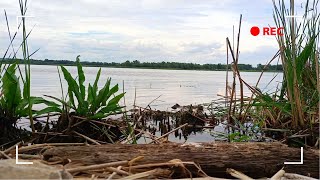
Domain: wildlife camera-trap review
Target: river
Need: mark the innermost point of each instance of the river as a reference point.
(173, 86)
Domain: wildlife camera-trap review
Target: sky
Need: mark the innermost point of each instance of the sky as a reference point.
(192, 31)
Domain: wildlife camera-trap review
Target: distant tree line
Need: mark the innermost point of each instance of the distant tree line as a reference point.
(154, 65)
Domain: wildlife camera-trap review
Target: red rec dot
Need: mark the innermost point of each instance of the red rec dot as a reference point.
(254, 31)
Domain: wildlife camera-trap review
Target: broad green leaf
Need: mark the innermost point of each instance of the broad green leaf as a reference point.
(112, 91)
(95, 84)
(103, 93)
(71, 98)
(48, 110)
(303, 58)
(40, 100)
(61, 101)
(81, 78)
(11, 89)
(90, 94)
(72, 86)
(94, 91)
(115, 100)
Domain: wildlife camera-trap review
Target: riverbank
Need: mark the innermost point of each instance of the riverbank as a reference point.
(154, 65)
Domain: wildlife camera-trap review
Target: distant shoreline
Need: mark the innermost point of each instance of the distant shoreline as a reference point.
(153, 65)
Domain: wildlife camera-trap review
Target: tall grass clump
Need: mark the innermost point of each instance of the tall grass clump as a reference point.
(290, 113)
(17, 103)
(299, 55)
(294, 107)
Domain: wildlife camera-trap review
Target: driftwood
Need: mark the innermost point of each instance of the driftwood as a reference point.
(253, 159)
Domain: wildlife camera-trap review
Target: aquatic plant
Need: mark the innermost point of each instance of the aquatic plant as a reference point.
(293, 109)
(13, 105)
(93, 103)
(299, 55)
(295, 105)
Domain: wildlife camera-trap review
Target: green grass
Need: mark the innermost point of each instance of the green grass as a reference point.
(299, 57)
(294, 106)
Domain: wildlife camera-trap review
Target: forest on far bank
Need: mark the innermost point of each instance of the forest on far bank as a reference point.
(153, 65)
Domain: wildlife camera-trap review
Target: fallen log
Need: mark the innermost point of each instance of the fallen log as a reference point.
(253, 159)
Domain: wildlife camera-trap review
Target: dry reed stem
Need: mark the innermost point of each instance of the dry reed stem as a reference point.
(98, 166)
(233, 89)
(114, 173)
(151, 165)
(318, 78)
(169, 132)
(278, 175)
(129, 139)
(4, 155)
(238, 174)
(103, 123)
(36, 146)
(154, 172)
(151, 136)
(264, 68)
(29, 156)
(203, 178)
(227, 75)
(87, 138)
(237, 60)
(118, 171)
(5, 152)
(297, 176)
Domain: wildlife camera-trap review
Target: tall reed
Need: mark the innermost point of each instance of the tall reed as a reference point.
(25, 53)
(299, 51)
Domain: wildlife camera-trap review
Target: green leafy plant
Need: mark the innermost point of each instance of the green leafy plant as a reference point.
(238, 137)
(93, 103)
(13, 104)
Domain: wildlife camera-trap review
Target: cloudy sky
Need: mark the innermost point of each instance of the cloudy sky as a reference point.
(147, 30)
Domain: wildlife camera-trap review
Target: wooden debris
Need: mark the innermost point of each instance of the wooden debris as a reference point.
(253, 159)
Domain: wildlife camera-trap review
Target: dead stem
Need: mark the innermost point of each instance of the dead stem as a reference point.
(87, 138)
(169, 132)
(114, 173)
(4, 155)
(37, 146)
(98, 166)
(118, 171)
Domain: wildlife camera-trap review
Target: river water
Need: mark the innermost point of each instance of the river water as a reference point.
(173, 86)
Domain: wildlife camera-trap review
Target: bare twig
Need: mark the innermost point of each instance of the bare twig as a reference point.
(36, 146)
(238, 174)
(173, 130)
(98, 166)
(118, 171)
(145, 174)
(87, 138)
(278, 175)
(114, 173)
(4, 155)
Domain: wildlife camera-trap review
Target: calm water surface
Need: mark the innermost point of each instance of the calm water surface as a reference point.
(175, 86)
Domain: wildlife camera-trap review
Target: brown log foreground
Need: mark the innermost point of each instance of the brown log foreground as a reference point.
(254, 159)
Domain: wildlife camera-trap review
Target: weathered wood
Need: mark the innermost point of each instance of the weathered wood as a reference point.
(253, 159)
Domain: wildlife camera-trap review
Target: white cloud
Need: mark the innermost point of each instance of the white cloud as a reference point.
(148, 30)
